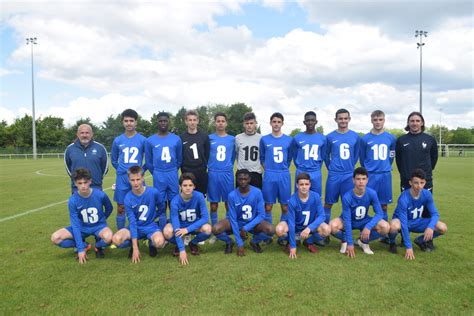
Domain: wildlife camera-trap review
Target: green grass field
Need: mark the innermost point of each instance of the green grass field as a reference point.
(37, 277)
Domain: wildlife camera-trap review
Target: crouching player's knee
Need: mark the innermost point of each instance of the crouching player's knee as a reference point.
(206, 229)
(56, 238)
(442, 228)
(107, 235)
(383, 227)
(395, 226)
(324, 230)
(158, 239)
(168, 231)
(281, 229)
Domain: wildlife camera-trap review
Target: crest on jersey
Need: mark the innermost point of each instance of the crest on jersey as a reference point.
(94, 151)
(424, 145)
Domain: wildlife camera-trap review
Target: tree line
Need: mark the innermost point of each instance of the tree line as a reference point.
(53, 136)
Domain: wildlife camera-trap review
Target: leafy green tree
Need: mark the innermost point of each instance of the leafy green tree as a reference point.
(235, 116)
(397, 132)
(446, 134)
(295, 132)
(21, 130)
(3, 133)
(145, 127)
(111, 128)
(50, 132)
(178, 121)
(462, 136)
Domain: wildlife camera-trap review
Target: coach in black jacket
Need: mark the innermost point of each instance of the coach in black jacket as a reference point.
(416, 149)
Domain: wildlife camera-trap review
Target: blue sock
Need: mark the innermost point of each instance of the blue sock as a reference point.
(385, 215)
(224, 237)
(327, 212)
(214, 218)
(67, 243)
(436, 234)
(127, 243)
(317, 237)
(162, 221)
(200, 237)
(258, 237)
(283, 217)
(392, 237)
(101, 244)
(311, 239)
(120, 220)
(373, 235)
(340, 235)
(268, 217)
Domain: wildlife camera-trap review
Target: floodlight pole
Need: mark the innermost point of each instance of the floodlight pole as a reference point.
(32, 41)
(420, 44)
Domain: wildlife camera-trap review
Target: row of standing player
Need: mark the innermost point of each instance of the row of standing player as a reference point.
(162, 152)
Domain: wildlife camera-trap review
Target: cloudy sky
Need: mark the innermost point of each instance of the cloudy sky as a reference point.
(96, 58)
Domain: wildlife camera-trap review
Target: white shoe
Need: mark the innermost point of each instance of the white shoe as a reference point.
(212, 240)
(365, 247)
(187, 240)
(201, 243)
(343, 247)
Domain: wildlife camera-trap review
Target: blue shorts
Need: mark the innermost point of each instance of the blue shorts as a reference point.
(147, 231)
(360, 225)
(336, 185)
(418, 225)
(276, 185)
(382, 184)
(219, 185)
(88, 231)
(316, 180)
(167, 184)
(122, 187)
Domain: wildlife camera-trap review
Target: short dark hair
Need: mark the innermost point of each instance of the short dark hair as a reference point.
(278, 115)
(418, 173)
(220, 114)
(377, 113)
(191, 112)
(130, 113)
(360, 171)
(187, 176)
(309, 113)
(81, 174)
(249, 116)
(165, 114)
(242, 171)
(407, 128)
(303, 176)
(134, 170)
(342, 111)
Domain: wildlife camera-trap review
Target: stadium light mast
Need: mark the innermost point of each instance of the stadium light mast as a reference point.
(419, 45)
(32, 41)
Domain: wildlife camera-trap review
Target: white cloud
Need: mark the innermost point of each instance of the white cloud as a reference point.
(151, 57)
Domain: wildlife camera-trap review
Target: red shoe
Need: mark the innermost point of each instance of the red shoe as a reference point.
(312, 248)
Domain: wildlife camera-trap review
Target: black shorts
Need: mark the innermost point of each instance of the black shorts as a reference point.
(255, 180)
(201, 179)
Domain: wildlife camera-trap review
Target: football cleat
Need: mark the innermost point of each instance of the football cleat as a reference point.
(393, 248)
(228, 248)
(365, 247)
(194, 249)
(421, 244)
(99, 253)
(256, 247)
(343, 247)
(153, 252)
(312, 248)
(212, 240)
(176, 251)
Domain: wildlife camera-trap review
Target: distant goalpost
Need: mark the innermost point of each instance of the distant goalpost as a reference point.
(456, 150)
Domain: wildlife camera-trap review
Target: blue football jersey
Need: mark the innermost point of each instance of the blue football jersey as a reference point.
(310, 151)
(163, 153)
(342, 151)
(222, 153)
(88, 212)
(377, 152)
(304, 214)
(410, 209)
(356, 209)
(127, 152)
(190, 214)
(245, 211)
(276, 153)
(142, 210)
